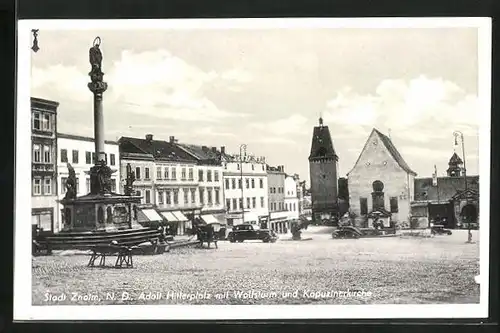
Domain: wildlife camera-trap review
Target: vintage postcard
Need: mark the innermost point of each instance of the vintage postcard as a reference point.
(300, 168)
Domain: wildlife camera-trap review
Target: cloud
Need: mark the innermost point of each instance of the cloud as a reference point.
(294, 124)
(209, 131)
(273, 140)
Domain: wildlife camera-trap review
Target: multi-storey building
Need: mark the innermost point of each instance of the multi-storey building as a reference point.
(172, 181)
(43, 164)
(245, 188)
(291, 198)
(276, 188)
(79, 151)
(208, 174)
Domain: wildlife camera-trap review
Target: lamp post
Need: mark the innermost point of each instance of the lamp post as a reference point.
(243, 148)
(460, 135)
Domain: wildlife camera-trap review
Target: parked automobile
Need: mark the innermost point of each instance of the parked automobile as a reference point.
(346, 232)
(439, 229)
(248, 231)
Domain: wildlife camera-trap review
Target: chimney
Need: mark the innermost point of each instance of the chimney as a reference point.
(223, 150)
(204, 148)
(282, 168)
(172, 139)
(149, 137)
(214, 150)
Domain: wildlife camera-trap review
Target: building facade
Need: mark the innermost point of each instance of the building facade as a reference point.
(79, 151)
(209, 174)
(291, 198)
(278, 216)
(446, 200)
(166, 178)
(43, 164)
(380, 184)
(323, 166)
(245, 189)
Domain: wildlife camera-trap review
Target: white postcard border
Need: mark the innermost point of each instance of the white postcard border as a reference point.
(24, 310)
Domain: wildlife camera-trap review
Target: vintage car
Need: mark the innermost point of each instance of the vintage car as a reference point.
(438, 229)
(247, 231)
(346, 232)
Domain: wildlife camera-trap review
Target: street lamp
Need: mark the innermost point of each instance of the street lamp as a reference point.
(243, 148)
(460, 135)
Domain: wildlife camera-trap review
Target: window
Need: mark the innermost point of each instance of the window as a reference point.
(363, 203)
(239, 183)
(138, 173)
(193, 195)
(202, 196)
(46, 122)
(168, 198)
(147, 196)
(240, 203)
(113, 185)
(233, 183)
(228, 204)
(254, 202)
(183, 173)
(209, 175)
(216, 176)
(227, 184)
(217, 196)
(248, 202)
(87, 184)
(63, 184)
(64, 155)
(146, 173)
(47, 186)
(190, 174)
(166, 173)
(158, 173)
(253, 167)
(261, 183)
(36, 120)
(234, 204)
(253, 183)
(47, 158)
(75, 156)
(174, 173)
(176, 197)
(209, 197)
(112, 159)
(247, 183)
(261, 202)
(43, 220)
(394, 204)
(94, 159)
(262, 167)
(237, 166)
(200, 175)
(37, 186)
(77, 185)
(280, 206)
(88, 157)
(186, 195)
(37, 157)
(138, 193)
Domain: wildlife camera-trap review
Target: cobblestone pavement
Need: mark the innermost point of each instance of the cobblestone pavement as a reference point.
(374, 271)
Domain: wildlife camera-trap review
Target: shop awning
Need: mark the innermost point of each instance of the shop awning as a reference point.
(152, 215)
(209, 219)
(181, 217)
(169, 216)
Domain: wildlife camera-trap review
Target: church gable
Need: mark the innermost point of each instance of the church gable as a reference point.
(380, 151)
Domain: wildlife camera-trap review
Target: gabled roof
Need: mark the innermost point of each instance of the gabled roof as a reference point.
(446, 187)
(202, 154)
(159, 149)
(392, 151)
(322, 145)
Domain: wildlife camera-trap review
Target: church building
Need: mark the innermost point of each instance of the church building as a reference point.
(452, 200)
(380, 184)
(323, 162)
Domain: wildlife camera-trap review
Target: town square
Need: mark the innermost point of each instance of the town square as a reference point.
(235, 167)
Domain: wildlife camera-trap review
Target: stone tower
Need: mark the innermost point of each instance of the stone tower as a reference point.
(454, 166)
(323, 174)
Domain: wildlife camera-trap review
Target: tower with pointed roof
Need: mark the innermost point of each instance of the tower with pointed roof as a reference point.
(454, 166)
(323, 163)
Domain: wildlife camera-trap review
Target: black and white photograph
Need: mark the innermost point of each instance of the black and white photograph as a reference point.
(303, 168)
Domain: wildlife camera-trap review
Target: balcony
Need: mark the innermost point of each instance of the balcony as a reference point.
(42, 167)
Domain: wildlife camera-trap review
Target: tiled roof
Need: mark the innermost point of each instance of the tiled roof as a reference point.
(158, 148)
(322, 145)
(447, 187)
(200, 152)
(394, 152)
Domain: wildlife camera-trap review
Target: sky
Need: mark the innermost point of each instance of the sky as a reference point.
(267, 89)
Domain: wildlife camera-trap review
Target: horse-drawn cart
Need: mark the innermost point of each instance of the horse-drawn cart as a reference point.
(208, 233)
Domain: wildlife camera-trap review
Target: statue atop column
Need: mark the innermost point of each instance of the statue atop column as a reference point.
(97, 85)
